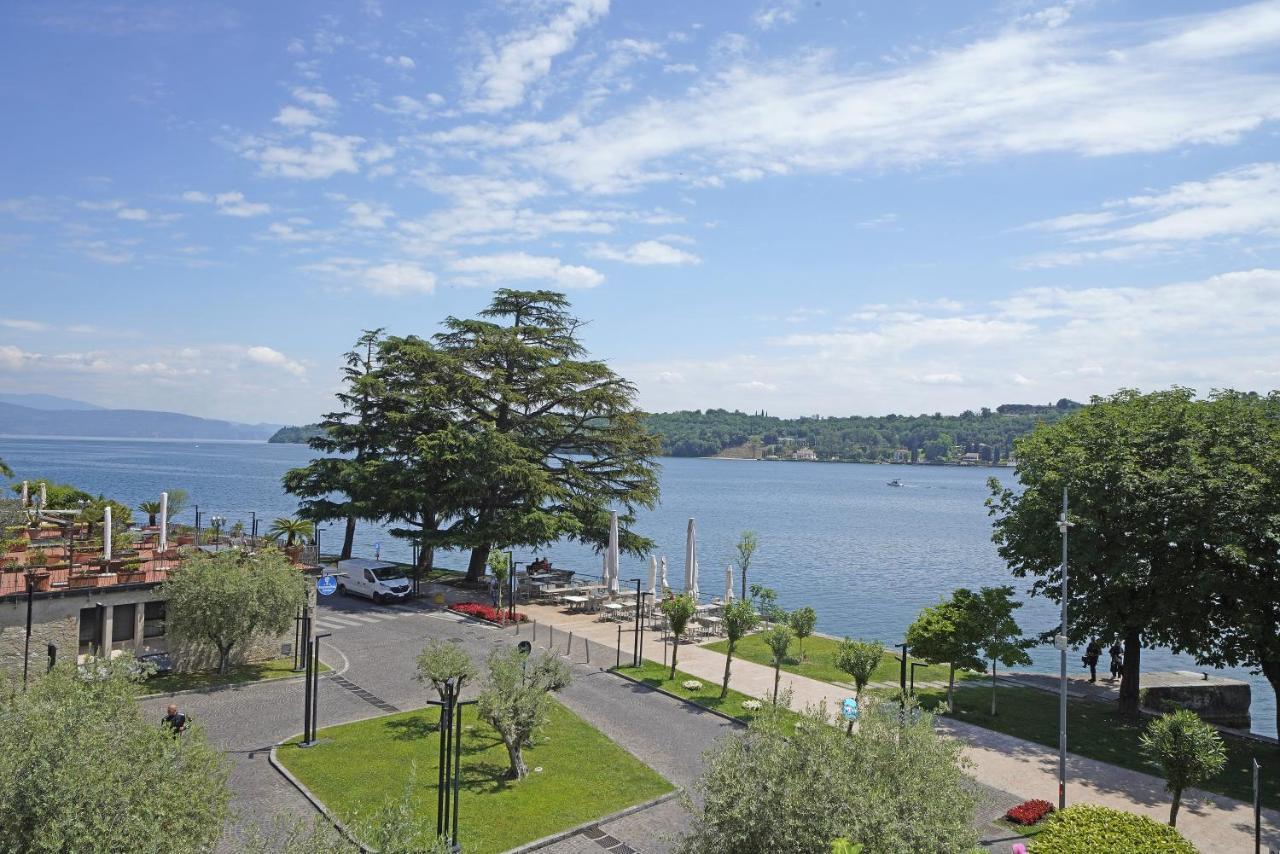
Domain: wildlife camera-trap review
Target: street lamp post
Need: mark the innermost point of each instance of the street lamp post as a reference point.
(902, 678)
(26, 644)
(914, 665)
(450, 762)
(511, 586)
(638, 645)
(1061, 642)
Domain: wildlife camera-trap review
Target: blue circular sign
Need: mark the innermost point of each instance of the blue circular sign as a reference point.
(849, 709)
(326, 585)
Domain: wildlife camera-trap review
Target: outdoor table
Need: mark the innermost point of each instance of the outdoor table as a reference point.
(705, 608)
(576, 602)
(712, 623)
(612, 610)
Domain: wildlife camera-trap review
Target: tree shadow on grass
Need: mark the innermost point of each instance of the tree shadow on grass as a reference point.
(413, 729)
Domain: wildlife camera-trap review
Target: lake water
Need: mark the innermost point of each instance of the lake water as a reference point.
(866, 556)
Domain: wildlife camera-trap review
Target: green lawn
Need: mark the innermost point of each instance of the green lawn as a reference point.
(1097, 731)
(654, 674)
(276, 668)
(819, 660)
(584, 775)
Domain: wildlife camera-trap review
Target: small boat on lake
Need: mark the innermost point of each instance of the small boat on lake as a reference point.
(894, 482)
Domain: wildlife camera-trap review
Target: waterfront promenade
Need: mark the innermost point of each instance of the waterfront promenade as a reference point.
(1212, 822)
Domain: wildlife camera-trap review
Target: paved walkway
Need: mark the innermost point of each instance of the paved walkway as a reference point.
(1212, 822)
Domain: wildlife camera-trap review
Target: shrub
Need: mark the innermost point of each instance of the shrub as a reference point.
(488, 613)
(1090, 829)
(692, 684)
(1029, 812)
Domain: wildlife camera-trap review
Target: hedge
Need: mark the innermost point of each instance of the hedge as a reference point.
(1089, 829)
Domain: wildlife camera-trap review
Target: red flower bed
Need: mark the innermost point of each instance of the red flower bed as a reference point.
(487, 613)
(1029, 812)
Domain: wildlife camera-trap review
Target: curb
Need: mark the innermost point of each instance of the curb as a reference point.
(535, 845)
(739, 721)
(282, 680)
(312, 799)
(574, 831)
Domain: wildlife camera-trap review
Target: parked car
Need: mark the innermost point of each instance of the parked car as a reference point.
(372, 579)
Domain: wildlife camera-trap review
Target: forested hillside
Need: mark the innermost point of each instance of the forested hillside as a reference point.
(924, 438)
(933, 438)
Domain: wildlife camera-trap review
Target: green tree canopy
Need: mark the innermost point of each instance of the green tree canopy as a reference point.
(80, 770)
(778, 639)
(1188, 751)
(889, 786)
(739, 619)
(1139, 505)
(679, 610)
(859, 659)
(942, 634)
(225, 600)
(802, 622)
(441, 662)
(516, 698)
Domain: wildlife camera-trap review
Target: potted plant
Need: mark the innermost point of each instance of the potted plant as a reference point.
(37, 558)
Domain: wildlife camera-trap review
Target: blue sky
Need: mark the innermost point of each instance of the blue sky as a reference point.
(835, 207)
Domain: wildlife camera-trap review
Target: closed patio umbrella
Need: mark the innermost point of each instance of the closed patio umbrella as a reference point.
(653, 576)
(663, 579)
(611, 555)
(691, 561)
(728, 584)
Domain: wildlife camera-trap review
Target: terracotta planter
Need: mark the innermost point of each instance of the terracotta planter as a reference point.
(106, 579)
(185, 540)
(133, 576)
(77, 582)
(40, 581)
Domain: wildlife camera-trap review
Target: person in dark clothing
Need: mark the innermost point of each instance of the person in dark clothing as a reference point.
(1092, 654)
(175, 721)
(1117, 660)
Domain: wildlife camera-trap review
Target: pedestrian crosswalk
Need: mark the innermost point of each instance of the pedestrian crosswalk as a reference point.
(335, 620)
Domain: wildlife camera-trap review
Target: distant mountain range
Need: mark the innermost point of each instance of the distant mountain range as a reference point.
(47, 415)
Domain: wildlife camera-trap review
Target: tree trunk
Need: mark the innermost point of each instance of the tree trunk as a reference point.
(728, 659)
(151, 520)
(224, 659)
(675, 647)
(993, 687)
(951, 689)
(479, 560)
(1173, 807)
(777, 675)
(349, 538)
(518, 769)
(1129, 700)
(744, 584)
(1271, 670)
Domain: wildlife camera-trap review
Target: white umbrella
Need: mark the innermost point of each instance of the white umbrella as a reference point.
(106, 532)
(728, 584)
(691, 561)
(665, 585)
(611, 555)
(653, 576)
(164, 521)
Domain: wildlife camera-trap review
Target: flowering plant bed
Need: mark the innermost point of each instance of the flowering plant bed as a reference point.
(488, 613)
(1029, 812)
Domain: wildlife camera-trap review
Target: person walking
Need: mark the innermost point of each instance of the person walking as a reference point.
(1117, 660)
(175, 721)
(1092, 654)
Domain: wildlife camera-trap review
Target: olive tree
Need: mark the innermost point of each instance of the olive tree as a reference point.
(739, 619)
(802, 622)
(894, 785)
(441, 662)
(501, 569)
(81, 770)
(859, 659)
(516, 699)
(228, 599)
(747, 544)
(679, 611)
(778, 639)
(1187, 749)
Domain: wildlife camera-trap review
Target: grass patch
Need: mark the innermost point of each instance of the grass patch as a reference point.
(654, 674)
(261, 671)
(819, 660)
(584, 776)
(1098, 731)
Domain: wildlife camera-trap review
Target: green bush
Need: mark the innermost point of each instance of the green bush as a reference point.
(1089, 829)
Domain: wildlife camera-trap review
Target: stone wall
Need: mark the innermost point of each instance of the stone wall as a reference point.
(63, 633)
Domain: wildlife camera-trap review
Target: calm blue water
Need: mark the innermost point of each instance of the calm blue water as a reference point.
(867, 557)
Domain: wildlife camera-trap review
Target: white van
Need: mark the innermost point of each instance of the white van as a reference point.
(372, 579)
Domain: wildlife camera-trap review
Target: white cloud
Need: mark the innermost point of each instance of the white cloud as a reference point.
(13, 358)
(133, 214)
(296, 118)
(776, 15)
(680, 68)
(398, 278)
(1058, 342)
(316, 98)
(645, 253)
(106, 205)
(327, 156)
(520, 266)
(1030, 89)
(1240, 202)
(524, 56)
(23, 325)
(234, 204)
(196, 197)
(368, 215)
(274, 358)
(402, 62)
